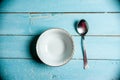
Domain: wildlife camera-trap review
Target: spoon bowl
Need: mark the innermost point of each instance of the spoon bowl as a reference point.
(82, 27)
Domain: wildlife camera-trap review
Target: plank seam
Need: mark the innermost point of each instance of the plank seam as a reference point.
(71, 59)
(59, 12)
(91, 35)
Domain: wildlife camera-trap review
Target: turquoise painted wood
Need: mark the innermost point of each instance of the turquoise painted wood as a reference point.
(34, 24)
(22, 69)
(60, 6)
(21, 22)
(97, 47)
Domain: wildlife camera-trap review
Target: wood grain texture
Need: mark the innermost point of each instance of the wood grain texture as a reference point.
(34, 24)
(23, 69)
(60, 6)
(97, 47)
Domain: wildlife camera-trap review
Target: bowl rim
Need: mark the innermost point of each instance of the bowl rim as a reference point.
(68, 34)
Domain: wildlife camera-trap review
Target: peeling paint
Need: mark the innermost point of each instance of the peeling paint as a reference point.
(30, 19)
(41, 16)
(53, 76)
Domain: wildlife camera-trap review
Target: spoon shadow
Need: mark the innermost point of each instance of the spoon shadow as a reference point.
(75, 26)
(82, 47)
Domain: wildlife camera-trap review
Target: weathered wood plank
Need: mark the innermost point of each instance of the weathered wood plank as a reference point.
(22, 69)
(61, 6)
(34, 24)
(97, 47)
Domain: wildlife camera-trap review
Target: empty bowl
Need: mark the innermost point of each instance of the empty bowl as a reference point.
(55, 47)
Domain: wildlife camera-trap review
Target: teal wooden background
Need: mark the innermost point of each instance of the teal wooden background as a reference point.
(22, 21)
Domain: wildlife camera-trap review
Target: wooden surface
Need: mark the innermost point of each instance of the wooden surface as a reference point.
(21, 23)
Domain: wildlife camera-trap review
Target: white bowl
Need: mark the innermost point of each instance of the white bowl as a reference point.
(55, 47)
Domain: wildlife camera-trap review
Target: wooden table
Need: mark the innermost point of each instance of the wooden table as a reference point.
(22, 21)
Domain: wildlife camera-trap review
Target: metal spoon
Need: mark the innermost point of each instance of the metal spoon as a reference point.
(82, 29)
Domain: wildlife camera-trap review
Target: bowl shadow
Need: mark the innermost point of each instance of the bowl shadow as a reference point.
(33, 48)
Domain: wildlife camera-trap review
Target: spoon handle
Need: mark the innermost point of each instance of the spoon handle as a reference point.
(84, 55)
